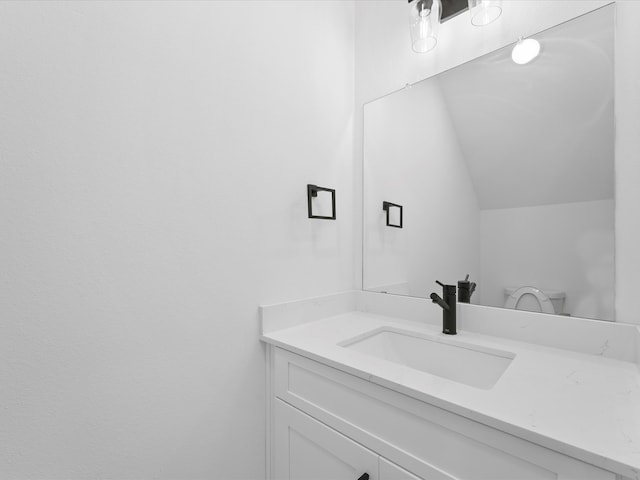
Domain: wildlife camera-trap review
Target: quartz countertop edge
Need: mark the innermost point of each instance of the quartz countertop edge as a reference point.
(606, 390)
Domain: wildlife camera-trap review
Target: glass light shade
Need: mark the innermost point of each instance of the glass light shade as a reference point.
(483, 12)
(424, 23)
(525, 50)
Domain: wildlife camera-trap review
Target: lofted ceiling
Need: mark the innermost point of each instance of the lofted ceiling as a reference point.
(541, 133)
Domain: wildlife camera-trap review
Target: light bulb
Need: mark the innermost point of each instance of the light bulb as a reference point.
(525, 50)
(483, 12)
(424, 20)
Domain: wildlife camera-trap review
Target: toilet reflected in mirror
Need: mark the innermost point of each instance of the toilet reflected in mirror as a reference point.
(533, 299)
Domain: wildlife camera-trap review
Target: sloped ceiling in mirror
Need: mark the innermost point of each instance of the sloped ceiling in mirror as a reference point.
(488, 97)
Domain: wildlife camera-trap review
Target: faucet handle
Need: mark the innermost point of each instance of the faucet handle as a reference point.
(440, 283)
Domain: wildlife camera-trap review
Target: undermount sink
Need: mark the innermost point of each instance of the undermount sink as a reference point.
(472, 365)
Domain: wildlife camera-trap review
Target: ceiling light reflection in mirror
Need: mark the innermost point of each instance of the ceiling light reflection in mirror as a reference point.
(525, 51)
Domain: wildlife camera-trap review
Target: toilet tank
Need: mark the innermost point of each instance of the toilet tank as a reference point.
(530, 303)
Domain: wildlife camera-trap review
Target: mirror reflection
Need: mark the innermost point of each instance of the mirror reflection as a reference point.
(505, 172)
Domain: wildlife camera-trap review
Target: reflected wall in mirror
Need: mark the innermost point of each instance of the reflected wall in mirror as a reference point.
(505, 172)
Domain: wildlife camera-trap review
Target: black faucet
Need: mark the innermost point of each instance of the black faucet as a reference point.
(465, 290)
(448, 305)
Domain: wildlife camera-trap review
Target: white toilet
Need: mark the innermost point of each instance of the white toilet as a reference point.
(533, 299)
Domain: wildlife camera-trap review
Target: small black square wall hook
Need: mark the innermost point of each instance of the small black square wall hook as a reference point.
(312, 191)
(386, 206)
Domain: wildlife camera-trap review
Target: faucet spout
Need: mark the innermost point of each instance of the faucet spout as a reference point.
(435, 298)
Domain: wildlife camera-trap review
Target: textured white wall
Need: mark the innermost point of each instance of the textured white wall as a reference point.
(385, 62)
(566, 247)
(154, 162)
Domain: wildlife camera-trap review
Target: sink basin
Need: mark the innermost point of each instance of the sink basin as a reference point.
(466, 363)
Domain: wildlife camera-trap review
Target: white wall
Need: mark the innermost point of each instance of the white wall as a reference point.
(413, 158)
(154, 162)
(566, 247)
(627, 72)
(385, 62)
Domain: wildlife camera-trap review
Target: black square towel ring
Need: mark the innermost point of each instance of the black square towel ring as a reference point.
(386, 206)
(312, 191)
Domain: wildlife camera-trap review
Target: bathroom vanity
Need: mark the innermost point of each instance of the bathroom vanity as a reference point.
(356, 393)
(364, 385)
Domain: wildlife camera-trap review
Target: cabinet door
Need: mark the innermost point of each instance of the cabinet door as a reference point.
(305, 449)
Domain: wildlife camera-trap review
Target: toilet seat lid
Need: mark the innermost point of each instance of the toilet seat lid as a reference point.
(545, 302)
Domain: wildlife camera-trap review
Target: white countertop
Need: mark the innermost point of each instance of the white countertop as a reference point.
(582, 405)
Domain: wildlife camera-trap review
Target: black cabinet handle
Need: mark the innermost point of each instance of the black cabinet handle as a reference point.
(364, 476)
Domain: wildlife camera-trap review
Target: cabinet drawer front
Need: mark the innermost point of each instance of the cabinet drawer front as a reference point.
(305, 449)
(414, 434)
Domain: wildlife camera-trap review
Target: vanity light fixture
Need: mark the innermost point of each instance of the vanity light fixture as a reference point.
(484, 12)
(424, 22)
(425, 17)
(525, 50)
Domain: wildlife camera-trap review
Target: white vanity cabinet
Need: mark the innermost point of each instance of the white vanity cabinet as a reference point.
(327, 424)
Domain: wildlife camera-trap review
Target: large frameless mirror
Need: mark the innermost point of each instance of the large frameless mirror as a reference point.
(505, 172)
